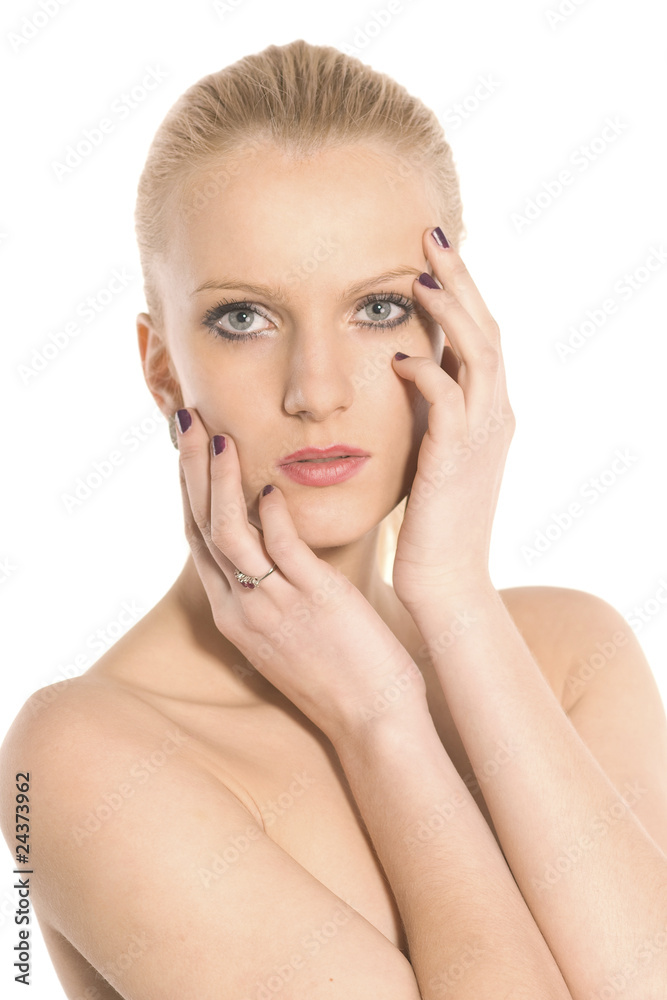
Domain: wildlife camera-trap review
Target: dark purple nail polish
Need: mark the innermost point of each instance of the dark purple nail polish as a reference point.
(426, 279)
(218, 443)
(267, 489)
(184, 420)
(399, 356)
(440, 237)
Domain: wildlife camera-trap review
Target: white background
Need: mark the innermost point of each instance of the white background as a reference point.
(67, 574)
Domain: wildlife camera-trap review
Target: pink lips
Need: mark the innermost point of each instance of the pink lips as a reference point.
(333, 451)
(342, 462)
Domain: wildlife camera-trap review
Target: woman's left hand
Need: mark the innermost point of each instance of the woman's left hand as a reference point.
(443, 544)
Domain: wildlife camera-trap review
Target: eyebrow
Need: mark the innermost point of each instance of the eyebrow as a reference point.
(279, 292)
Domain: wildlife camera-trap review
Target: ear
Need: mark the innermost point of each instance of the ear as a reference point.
(157, 366)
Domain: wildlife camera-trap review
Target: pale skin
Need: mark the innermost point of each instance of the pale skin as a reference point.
(329, 787)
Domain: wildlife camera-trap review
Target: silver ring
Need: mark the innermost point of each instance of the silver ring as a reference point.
(251, 581)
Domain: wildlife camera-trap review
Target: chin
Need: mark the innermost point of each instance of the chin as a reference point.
(327, 522)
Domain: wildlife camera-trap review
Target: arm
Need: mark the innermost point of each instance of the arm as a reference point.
(470, 933)
(594, 878)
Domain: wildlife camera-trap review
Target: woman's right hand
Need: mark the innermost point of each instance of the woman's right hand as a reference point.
(306, 628)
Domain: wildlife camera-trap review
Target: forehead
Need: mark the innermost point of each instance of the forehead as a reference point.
(354, 210)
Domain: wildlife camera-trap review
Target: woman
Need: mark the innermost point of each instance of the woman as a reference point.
(290, 778)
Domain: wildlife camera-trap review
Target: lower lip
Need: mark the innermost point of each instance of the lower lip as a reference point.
(337, 470)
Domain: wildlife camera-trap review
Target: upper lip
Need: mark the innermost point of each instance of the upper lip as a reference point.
(333, 451)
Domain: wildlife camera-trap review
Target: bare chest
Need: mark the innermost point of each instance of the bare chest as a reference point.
(288, 776)
(291, 780)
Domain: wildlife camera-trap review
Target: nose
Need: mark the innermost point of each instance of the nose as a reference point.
(320, 374)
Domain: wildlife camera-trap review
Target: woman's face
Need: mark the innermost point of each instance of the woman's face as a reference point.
(312, 365)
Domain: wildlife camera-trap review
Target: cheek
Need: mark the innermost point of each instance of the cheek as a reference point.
(399, 413)
(210, 387)
(404, 418)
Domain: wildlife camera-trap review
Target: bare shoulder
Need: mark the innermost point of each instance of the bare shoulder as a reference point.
(67, 740)
(82, 711)
(560, 625)
(81, 733)
(590, 653)
(153, 872)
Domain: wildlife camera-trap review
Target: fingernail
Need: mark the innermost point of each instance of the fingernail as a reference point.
(426, 279)
(218, 443)
(399, 356)
(184, 420)
(267, 489)
(440, 237)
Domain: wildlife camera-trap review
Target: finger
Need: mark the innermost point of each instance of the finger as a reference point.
(467, 341)
(231, 534)
(453, 274)
(215, 582)
(295, 559)
(196, 461)
(193, 449)
(480, 373)
(447, 415)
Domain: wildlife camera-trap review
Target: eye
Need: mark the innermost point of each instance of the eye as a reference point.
(380, 306)
(239, 320)
(235, 320)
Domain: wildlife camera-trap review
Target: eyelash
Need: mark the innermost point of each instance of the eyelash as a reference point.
(226, 306)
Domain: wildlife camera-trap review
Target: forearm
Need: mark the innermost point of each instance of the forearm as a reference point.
(470, 933)
(592, 877)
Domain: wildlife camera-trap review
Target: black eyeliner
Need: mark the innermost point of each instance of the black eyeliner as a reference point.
(225, 306)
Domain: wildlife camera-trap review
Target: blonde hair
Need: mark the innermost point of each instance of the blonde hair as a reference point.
(301, 98)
